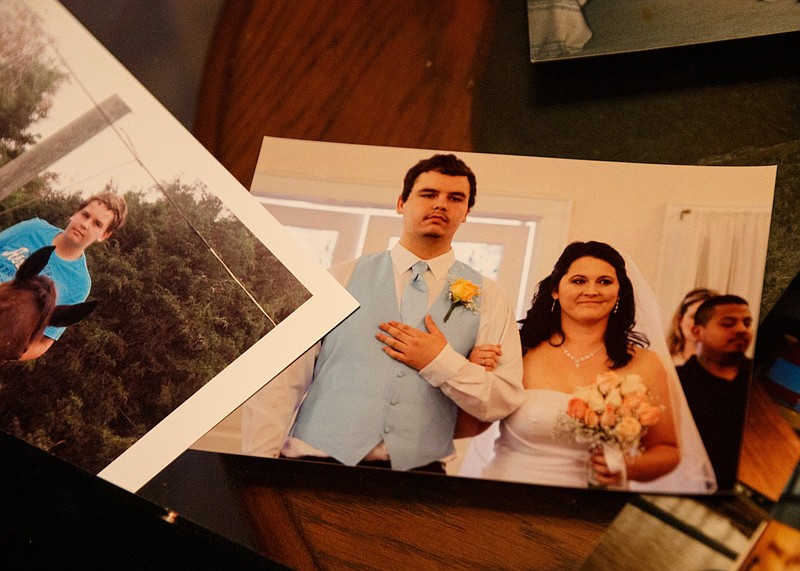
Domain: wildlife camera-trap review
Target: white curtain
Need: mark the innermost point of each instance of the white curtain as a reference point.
(722, 249)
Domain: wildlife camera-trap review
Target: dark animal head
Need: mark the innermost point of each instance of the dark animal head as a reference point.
(28, 305)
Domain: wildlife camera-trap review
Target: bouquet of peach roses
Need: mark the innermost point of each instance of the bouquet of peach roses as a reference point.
(613, 413)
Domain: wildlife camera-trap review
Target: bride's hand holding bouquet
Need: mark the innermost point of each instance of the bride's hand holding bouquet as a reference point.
(633, 437)
(611, 416)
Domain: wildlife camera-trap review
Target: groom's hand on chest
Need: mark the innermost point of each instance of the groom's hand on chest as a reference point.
(411, 346)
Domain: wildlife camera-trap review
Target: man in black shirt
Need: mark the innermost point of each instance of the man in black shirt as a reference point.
(716, 380)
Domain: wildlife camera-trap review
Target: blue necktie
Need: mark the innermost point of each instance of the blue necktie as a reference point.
(414, 305)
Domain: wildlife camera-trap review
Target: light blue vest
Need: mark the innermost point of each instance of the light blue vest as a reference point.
(361, 396)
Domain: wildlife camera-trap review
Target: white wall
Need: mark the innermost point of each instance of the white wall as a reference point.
(619, 203)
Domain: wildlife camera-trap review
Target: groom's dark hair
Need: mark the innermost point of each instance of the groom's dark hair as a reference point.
(544, 317)
(449, 165)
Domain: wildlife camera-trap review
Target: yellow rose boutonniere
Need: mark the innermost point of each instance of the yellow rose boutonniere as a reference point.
(462, 292)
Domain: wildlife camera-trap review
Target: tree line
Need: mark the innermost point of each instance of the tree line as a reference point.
(169, 318)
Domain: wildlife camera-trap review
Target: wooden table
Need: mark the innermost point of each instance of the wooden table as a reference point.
(397, 73)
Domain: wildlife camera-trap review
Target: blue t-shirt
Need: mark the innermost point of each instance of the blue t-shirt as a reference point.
(70, 276)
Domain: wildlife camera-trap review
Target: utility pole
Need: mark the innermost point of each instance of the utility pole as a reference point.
(19, 171)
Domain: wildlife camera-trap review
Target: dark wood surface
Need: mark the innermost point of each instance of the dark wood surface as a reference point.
(397, 73)
(770, 447)
(312, 516)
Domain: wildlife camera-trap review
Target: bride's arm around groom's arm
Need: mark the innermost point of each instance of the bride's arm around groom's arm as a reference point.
(487, 395)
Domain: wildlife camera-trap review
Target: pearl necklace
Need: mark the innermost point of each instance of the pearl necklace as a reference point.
(578, 360)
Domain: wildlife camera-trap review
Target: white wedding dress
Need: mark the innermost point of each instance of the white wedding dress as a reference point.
(528, 450)
(521, 447)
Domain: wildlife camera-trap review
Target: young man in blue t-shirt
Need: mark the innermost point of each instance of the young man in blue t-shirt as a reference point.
(96, 219)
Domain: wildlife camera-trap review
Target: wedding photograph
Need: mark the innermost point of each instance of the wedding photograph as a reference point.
(565, 277)
(142, 286)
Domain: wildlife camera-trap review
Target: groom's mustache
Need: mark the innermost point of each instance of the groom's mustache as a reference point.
(437, 214)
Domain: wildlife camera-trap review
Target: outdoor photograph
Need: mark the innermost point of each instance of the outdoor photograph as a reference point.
(134, 269)
(557, 289)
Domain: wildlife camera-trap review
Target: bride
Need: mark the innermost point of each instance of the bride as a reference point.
(581, 325)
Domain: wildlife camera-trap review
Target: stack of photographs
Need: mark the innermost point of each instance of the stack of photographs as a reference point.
(207, 299)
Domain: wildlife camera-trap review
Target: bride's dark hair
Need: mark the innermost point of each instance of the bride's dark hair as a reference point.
(544, 317)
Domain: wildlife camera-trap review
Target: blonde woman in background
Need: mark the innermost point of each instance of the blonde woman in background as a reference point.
(680, 342)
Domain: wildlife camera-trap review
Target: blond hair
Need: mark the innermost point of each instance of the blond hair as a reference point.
(675, 339)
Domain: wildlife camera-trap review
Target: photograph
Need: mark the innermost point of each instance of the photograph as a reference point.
(541, 345)
(563, 29)
(144, 293)
(664, 532)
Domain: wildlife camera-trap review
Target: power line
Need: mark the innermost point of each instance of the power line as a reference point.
(128, 143)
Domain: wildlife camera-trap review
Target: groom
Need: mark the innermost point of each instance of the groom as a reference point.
(384, 387)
